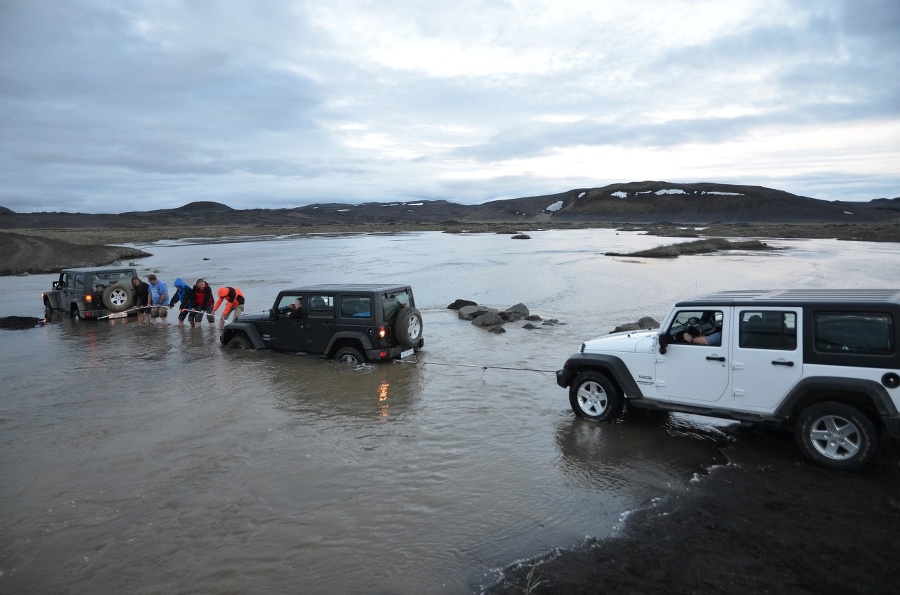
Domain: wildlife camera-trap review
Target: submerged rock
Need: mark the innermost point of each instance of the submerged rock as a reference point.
(488, 319)
(645, 322)
(514, 313)
(18, 323)
(491, 318)
(473, 312)
(456, 305)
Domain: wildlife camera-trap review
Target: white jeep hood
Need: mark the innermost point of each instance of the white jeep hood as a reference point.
(643, 341)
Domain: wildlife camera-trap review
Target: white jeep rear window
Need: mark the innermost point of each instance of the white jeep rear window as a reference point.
(861, 333)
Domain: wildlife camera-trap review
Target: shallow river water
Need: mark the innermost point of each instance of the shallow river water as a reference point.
(148, 459)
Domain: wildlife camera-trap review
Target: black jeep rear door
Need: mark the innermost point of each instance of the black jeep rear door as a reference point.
(319, 322)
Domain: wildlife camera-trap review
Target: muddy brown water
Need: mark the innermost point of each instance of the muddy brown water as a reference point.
(147, 459)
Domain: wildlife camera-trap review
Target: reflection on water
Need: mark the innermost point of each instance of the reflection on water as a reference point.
(136, 457)
(304, 383)
(641, 453)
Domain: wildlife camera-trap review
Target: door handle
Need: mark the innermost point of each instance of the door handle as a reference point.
(782, 363)
(715, 358)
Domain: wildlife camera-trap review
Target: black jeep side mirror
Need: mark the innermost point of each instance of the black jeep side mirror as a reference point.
(273, 314)
(663, 341)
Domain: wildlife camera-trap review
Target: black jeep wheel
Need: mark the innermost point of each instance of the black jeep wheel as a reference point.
(595, 397)
(349, 355)
(117, 298)
(75, 313)
(837, 435)
(408, 327)
(239, 342)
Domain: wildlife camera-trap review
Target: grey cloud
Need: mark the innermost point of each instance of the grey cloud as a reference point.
(874, 21)
(102, 103)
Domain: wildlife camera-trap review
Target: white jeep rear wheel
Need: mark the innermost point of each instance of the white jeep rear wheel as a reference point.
(836, 435)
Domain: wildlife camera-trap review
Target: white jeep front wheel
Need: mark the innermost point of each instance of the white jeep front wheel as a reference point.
(594, 396)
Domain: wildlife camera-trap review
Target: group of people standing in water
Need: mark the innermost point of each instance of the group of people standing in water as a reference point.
(153, 301)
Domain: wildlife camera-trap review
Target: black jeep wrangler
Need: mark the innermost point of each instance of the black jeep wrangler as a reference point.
(348, 323)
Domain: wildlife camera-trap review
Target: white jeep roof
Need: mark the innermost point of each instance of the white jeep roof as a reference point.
(794, 297)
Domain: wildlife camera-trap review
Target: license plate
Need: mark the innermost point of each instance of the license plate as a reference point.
(407, 353)
(119, 315)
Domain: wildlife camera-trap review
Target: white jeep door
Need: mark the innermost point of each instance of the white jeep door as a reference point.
(768, 355)
(694, 372)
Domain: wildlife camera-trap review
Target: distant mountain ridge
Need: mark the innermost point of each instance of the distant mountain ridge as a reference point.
(657, 201)
(632, 202)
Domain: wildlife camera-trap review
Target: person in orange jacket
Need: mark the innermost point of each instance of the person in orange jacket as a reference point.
(234, 302)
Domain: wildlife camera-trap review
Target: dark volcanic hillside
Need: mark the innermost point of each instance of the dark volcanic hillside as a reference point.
(643, 202)
(635, 202)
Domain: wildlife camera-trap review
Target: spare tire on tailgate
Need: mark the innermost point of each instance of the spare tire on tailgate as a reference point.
(117, 297)
(408, 327)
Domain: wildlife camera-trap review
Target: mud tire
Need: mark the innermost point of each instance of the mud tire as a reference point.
(239, 342)
(349, 355)
(408, 327)
(836, 435)
(595, 397)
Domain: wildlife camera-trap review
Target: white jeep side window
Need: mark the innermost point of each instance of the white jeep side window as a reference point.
(706, 324)
(767, 329)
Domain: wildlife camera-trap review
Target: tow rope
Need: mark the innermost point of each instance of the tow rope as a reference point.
(481, 367)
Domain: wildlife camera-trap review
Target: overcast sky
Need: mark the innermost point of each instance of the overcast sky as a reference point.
(114, 105)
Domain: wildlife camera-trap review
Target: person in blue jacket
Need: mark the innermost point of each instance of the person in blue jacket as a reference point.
(159, 298)
(184, 294)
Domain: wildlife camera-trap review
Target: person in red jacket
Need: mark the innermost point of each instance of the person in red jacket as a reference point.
(233, 300)
(203, 302)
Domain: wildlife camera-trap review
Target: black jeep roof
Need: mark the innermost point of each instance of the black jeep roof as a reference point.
(97, 269)
(345, 287)
(795, 297)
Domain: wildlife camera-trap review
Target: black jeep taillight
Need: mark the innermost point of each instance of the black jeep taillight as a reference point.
(382, 332)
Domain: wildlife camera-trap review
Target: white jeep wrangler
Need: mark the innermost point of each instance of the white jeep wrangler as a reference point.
(823, 362)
